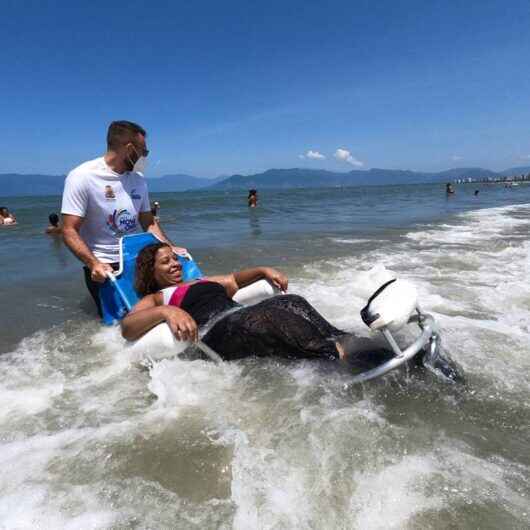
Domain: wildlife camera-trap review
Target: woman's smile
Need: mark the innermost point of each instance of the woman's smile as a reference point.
(175, 271)
(168, 270)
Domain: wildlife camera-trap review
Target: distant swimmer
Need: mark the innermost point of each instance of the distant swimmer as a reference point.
(476, 192)
(154, 210)
(449, 189)
(6, 217)
(252, 198)
(53, 229)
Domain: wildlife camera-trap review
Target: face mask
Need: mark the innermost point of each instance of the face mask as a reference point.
(140, 165)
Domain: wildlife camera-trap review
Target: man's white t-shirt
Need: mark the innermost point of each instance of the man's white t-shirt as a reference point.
(109, 202)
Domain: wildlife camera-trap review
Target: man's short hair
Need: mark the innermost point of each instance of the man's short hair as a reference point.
(122, 132)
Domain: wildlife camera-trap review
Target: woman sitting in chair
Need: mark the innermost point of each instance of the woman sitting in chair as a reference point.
(285, 325)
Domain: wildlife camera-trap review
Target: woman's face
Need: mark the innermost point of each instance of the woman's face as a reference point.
(168, 270)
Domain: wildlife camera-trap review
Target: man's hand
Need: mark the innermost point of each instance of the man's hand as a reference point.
(277, 278)
(181, 323)
(179, 251)
(98, 271)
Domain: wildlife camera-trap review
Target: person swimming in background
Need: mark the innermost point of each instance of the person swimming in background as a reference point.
(285, 325)
(252, 198)
(476, 192)
(155, 209)
(6, 217)
(449, 190)
(53, 228)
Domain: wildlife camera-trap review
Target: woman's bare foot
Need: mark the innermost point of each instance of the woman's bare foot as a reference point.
(340, 349)
(347, 344)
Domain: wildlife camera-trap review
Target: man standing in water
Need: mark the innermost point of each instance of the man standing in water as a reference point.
(105, 199)
(252, 198)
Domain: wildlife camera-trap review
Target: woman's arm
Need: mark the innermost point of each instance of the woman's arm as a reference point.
(149, 312)
(233, 282)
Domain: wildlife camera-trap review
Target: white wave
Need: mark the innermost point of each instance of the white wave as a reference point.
(473, 227)
(391, 497)
(353, 241)
(447, 478)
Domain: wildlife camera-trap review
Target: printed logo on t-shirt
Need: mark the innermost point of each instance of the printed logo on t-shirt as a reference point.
(121, 222)
(109, 193)
(135, 196)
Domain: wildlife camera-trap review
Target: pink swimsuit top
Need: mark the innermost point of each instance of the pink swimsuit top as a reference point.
(175, 295)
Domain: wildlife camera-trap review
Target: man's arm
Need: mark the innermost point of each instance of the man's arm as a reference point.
(148, 223)
(73, 240)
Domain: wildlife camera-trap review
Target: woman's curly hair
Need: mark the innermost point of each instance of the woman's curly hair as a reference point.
(145, 282)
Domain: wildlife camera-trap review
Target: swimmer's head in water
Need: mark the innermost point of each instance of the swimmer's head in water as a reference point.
(157, 267)
(54, 219)
(4, 212)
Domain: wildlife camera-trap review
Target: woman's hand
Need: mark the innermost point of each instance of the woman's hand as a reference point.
(238, 280)
(181, 323)
(277, 278)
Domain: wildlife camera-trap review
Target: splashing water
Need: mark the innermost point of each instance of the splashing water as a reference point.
(89, 441)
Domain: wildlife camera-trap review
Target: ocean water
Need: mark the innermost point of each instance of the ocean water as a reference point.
(88, 440)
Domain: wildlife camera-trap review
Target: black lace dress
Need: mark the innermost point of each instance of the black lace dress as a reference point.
(285, 325)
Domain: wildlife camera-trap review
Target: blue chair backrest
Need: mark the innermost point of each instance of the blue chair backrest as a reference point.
(112, 304)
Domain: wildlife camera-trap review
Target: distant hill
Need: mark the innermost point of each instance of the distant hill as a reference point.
(17, 184)
(12, 184)
(520, 170)
(311, 178)
(468, 172)
(178, 183)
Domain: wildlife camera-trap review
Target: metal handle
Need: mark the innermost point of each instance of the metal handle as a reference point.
(428, 329)
(118, 288)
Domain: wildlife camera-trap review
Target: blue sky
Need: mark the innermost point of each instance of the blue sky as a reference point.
(239, 87)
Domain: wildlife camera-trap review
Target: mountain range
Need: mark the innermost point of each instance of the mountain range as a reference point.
(12, 184)
(316, 178)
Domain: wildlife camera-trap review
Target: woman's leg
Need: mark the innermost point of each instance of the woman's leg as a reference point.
(298, 305)
(285, 325)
